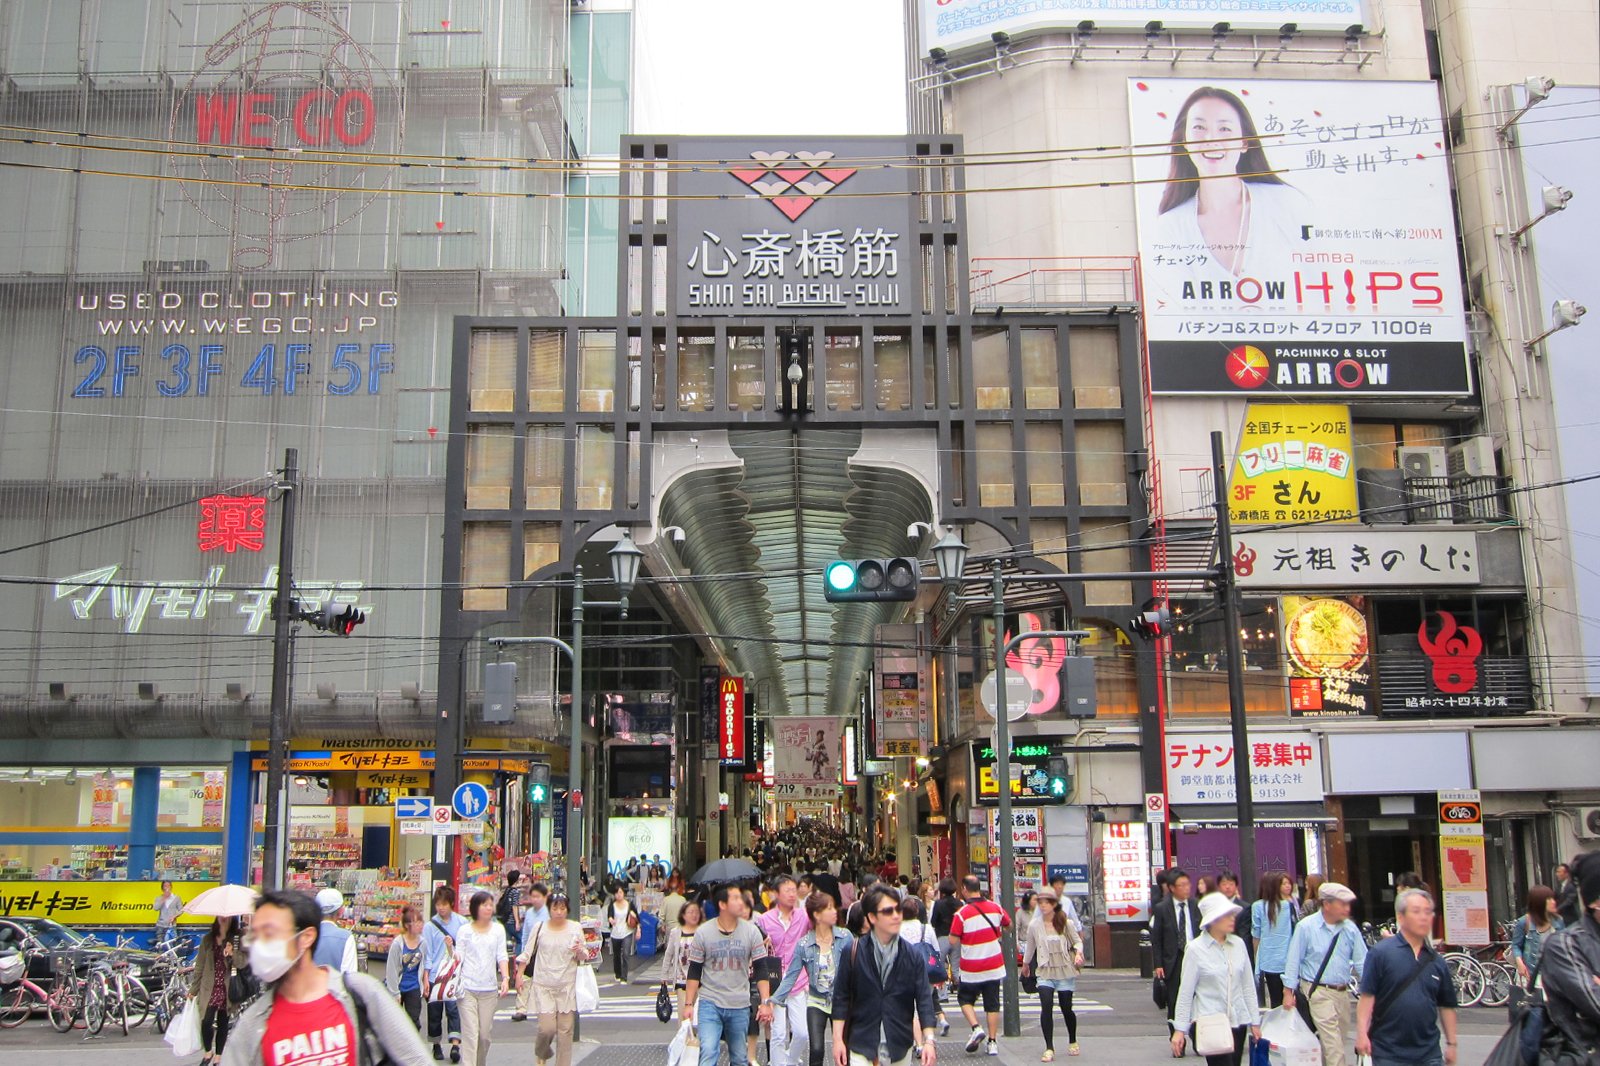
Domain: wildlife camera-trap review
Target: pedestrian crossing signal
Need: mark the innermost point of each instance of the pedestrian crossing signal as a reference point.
(538, 783)
(1060, 783)
(1154, 619)
(871, 580)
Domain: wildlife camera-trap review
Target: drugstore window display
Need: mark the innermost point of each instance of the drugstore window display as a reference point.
(74, 823)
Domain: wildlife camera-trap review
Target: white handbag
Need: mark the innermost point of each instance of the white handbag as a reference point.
(1212, 1033)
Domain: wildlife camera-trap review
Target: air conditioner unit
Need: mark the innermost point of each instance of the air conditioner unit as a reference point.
(1424, 462)
(1589, 823)
(1473, 457)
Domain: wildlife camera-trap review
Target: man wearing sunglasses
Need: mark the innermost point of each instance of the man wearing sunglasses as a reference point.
(881, 996)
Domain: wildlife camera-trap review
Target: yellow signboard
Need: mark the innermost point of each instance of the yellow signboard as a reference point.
(95, 902)
(394, 779)
(1295, 463)
(385, 762)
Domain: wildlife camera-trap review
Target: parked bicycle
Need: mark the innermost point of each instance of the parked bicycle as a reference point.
(62, 1002)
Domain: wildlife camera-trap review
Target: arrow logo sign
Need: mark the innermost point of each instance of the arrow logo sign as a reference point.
(413, 808)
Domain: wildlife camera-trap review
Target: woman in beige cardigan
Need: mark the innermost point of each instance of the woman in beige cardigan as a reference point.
(1054, 953)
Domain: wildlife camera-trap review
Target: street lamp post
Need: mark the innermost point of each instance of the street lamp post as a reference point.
(1011, 1018)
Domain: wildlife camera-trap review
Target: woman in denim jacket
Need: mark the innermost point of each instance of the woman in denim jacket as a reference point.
(817, 959)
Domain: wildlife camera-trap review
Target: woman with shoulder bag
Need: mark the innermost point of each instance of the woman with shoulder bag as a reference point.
(554, 955)
(622, 919)
(402, 971)
(214, 964)
(1055, 954)
(819, 955)
(675, 959)
(1529, 934)
(1216, 991)
(1272, 919)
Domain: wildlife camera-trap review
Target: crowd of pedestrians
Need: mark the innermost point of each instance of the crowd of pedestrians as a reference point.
(816, 969)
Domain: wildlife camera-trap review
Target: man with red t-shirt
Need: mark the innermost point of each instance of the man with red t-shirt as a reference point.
(975, 934)
(310, 1015)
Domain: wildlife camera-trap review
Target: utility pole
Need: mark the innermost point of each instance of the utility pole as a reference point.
(1228, 589)
(573, 845)
(284, 612)
(1011, 1017)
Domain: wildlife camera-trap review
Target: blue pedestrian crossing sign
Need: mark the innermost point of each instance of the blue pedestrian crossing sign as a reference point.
(470, 800)
(413, 808)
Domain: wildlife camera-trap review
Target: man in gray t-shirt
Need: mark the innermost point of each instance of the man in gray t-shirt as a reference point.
(719, 961)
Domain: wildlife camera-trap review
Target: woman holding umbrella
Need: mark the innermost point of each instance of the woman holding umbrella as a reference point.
(211, 983)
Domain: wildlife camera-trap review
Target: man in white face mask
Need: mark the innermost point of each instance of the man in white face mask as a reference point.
(308, 1013)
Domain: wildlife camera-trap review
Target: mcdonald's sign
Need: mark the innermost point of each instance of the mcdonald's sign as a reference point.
(730, 721)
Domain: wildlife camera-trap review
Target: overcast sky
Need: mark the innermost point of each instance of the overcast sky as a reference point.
(795, 67)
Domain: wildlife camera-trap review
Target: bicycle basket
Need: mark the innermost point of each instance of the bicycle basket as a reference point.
(12, 967)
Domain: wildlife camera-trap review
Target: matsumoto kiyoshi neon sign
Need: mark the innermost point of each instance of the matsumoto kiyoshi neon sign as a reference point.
(133, 602)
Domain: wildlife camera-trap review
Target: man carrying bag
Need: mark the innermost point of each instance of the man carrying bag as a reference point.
(1407, 994)
(1330, 941)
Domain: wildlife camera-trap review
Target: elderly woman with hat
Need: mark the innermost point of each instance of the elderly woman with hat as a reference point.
(1217, 992)
(1054, 952)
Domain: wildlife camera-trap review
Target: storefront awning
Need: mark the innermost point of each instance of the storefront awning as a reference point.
(1267, 815)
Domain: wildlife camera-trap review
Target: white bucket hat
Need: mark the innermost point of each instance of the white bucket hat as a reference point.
(1215, 906)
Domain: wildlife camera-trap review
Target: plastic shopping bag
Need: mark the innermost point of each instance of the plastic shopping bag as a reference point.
(1293, 1042)
(588, 990)
(183, 1035)
(679, 1044)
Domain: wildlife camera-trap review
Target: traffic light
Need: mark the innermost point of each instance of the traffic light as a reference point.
(539, 783)
(1059, 781)
(1154, 619)
(340, 619)
(871, 580)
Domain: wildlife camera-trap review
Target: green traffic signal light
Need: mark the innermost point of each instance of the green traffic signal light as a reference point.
(538, 793)
(871, 580)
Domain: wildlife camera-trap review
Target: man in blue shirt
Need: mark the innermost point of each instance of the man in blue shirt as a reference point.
(438, 953)
(1407, 994)
(537, 913)
(1328, 936)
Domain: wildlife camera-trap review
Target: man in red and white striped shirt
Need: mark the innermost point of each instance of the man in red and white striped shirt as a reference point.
(975, 930)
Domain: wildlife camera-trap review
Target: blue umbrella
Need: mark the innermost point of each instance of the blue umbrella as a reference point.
(723, 870)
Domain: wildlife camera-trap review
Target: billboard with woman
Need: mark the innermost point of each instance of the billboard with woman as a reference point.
(1296, 238)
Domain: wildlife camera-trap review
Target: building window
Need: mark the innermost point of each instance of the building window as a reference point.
(997, 474)
(597, 370)
(1096, 369)
(545, 467)
(492, 370)
(843, 358)
(747, 378)
(489, 459)
(1105, 548)
(547, 364)
(485, 549)
(541, 546)
(1041, 370)
(892, 367)
(1197, 667)
(1101, 464)
(1046, 480)
(696, 370)
(991, 369)
(597, 462)
(1050, 541)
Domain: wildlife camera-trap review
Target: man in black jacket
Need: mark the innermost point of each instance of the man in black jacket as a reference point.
(1569, 971)
(1173, 923)
(1566, 890)
(944, 909)
(881, 993)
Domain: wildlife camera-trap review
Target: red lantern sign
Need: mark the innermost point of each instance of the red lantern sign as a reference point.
(233, 522)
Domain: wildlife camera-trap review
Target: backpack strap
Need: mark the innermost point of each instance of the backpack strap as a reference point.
(369, 1048)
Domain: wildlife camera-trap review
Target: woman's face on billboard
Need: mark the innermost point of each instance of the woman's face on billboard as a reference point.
(1211, 137)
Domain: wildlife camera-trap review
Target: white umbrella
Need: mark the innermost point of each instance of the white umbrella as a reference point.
(223, 901)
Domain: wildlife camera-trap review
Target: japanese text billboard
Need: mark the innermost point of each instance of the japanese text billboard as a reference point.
(1309, 558)
(1330, 663)
(1296, 238)
(794, 226)
(1125, 871)
(1294, 464)
(1030, 771)
(806, 752)
(953, 24)
(1284, 768)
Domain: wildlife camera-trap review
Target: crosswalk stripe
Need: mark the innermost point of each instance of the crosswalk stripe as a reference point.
(638, 1008)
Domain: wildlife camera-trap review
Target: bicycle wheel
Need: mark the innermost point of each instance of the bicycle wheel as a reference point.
(167, 1006)
(94, 1003)
(1468, 978)
(16, 1004)
(138, 1003)
(1497, 981)
(63, 1004)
